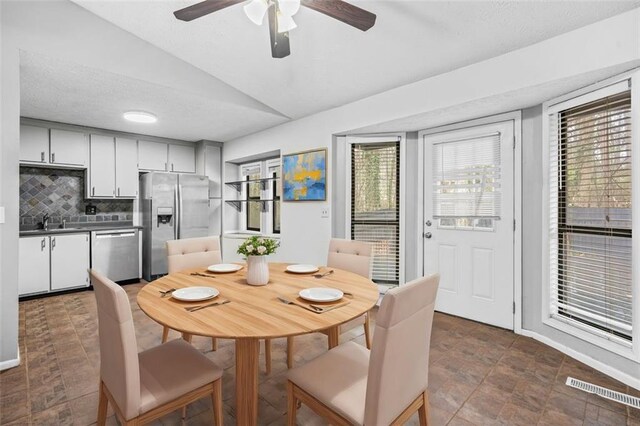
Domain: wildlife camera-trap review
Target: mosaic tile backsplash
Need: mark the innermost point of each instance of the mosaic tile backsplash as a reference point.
(61, 194)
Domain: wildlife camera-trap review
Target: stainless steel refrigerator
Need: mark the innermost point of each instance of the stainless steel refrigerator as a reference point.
(174, 206)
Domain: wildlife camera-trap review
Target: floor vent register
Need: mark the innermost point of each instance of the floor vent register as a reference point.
(622, 398)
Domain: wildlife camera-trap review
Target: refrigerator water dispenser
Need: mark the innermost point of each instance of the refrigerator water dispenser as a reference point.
(165, 214)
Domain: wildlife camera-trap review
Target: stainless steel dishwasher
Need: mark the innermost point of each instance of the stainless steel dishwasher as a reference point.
(115, 254)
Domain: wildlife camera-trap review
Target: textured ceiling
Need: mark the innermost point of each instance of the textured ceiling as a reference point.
(214, 78)
(57, 90)
(331, 63)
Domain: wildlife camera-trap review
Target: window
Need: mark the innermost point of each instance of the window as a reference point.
(590, 214)
(375, 205)
(262, 196)
(466, 183)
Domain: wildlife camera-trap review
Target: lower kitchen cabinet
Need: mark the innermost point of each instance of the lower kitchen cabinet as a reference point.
(34, 264)
(53, 263)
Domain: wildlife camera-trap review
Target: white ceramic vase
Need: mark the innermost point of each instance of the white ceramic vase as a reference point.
(257, 270)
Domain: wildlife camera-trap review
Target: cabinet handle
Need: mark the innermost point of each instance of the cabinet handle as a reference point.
(93, 191)
(171, 166)
(42, 157)
(165, 167)
(42, 244)
(118, 192)
(53, 157)
(53, 243)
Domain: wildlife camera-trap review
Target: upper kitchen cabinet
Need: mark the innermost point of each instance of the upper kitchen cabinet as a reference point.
(113, 168)
(68, 148)
(152, 156)
(34, 144)
(159, 156)
(126, 168)
(182, 158)
(39, 145)
(212, 166)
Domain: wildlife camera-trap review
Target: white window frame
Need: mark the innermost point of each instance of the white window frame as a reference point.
(630, 350)
(387, 137)
(266, 219)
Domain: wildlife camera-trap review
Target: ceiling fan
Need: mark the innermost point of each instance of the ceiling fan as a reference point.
(280, 16)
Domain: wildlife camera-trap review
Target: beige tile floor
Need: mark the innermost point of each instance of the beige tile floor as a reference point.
(478, 374)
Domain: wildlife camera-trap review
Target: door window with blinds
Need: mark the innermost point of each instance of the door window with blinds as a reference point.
(466, 183)
(590, 213)
(375, 205)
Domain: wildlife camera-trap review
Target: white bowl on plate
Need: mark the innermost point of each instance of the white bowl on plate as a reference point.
(222, 268)
(321, 294)
(302, 269)
(195, 294)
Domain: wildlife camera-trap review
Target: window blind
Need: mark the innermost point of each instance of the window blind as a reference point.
(375, 205)
(590, 215)
(466, 178)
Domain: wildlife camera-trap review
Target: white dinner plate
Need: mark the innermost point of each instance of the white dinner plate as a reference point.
(195, 294)
(302, 269)
(224, 267)
(321, 294)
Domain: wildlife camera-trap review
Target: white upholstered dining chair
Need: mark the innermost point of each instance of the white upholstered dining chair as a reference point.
(353, 256)
(350, 385)
(145, 386)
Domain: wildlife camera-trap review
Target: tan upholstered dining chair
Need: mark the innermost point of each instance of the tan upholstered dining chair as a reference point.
(352, 256)
(145, 386)
(350, 385)
(191, 253)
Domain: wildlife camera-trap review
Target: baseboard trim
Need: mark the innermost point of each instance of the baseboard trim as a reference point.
(10, 363)
(625, 378)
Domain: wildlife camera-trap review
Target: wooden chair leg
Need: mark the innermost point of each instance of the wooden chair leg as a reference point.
(103, 404)
(267, 355)
(423, 411)
(187, 337)
(165, 333)
(289, 352)
(216, 398)
(184, 413)
(367, 331)
(292, 405)
(214, 344)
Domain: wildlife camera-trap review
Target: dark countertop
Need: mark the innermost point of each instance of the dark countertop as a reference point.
(74, 228)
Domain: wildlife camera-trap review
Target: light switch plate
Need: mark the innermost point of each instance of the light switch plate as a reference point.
(324, 212)
(1, 214)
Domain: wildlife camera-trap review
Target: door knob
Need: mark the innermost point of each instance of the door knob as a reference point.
(428, 223)
(427, 234)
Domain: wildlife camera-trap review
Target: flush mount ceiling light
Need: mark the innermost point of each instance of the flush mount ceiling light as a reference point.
(140, 117)
(280, 16)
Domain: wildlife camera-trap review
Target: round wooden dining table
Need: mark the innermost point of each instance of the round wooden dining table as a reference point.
(256, 312)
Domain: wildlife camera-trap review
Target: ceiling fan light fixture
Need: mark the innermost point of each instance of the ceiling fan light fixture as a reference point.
(256, 10)
(289, 7)
(140, 117)
(285, 23)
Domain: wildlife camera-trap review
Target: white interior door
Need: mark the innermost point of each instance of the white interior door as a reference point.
(469, 221)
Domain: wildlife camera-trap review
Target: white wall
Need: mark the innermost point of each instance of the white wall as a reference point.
(535, 73)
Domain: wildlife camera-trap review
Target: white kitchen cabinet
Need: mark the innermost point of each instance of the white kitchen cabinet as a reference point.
(182, 158)
(34, 144)
(126, 168)
(113, 167)
(152, 156)
(68, 148)
(69, 261)
(102, 166)
(33, 264)
(212, 165)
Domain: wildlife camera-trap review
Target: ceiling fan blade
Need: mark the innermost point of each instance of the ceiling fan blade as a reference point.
(343, 11)
(279, 41)
(203, 8)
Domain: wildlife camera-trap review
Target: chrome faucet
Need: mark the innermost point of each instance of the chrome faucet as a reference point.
(45, 221)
